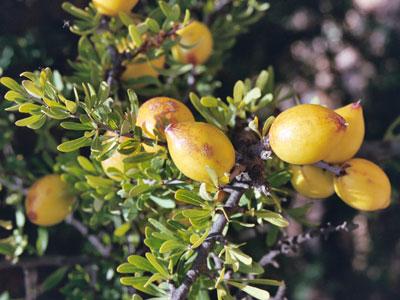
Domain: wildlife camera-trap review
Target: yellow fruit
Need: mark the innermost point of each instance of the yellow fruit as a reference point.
(305, 134)
(365, 186)
(197, 43)
(114, 7)
(143, 68)
(115, 160)
(48, 201)
(312, 182)
(353, 137)
(195, 145)
(157, 113)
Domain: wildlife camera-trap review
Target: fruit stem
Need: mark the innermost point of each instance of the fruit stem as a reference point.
(336, 170)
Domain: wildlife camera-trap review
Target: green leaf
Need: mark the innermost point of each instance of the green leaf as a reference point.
(171, 245)
(14, 96)
(213, 175)
(209, 101)
(153, 278)
(74, 144)
(86, 164)
(267, 125)
(279, 178)
(29, 108)
(56, 113)
(153, 25)
(6, 249)
(200, 241)
(98, 182)
(140, 157)
(140, 189)
(139, 282)
(251, 290)
(76, 126)
(163, 202)
(261, 281)
(127, 268)
(188, 197)
(6, 224)
(157, 264)
(42, 240)
(75, 11)
(135, 35)
(141, 263)
(122, 230)
(272, 217)
(53, 279)
(10, 84)
(28, 121)
(240, 256)
(238, 91)
(252, 95)
(125, 18)
(32, 89)
(171, 12)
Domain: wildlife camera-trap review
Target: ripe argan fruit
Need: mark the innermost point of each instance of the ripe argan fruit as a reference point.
(157, 113)
(197, 43)
(195, 145)
(365, 185)
(114, 7)
(48, 201)
(353, 137)
(312, 182)
(137, 69)
(116, 160)
(306, 134)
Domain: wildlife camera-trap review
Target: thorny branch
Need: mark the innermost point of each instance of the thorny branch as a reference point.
(199, 265)
(115, 72)
(105, 251)
(290, 245)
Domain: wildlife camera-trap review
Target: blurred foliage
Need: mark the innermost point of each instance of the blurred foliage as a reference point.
(335, 50)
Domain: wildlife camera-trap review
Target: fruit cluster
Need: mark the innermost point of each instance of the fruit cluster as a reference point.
(302, 135)
(306, 134)
(194, 47)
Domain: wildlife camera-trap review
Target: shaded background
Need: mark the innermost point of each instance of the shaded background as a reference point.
(337, 50)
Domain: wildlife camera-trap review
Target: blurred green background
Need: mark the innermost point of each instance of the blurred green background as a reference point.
(336, 50)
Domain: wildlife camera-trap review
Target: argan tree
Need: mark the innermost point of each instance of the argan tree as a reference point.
(159, 176)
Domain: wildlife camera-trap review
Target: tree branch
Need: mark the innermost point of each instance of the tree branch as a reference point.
(45, 261)
(199, 265)
(105, 251)
(30, 282)
(291, 244)
(116, 70)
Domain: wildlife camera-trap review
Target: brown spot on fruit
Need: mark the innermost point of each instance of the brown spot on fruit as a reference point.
(340, 122)
(207, 150)
(32, 216)
(191, 58)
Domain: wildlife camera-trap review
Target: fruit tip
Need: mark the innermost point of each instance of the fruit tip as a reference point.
(169, 127)
(357, 104)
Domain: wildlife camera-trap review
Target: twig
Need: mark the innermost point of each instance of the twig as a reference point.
(199, 265)
(45, 261)
(30, 282)
(105, 251)
(337, 170)
(291, 244)
(115, 72)
(280, 293)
